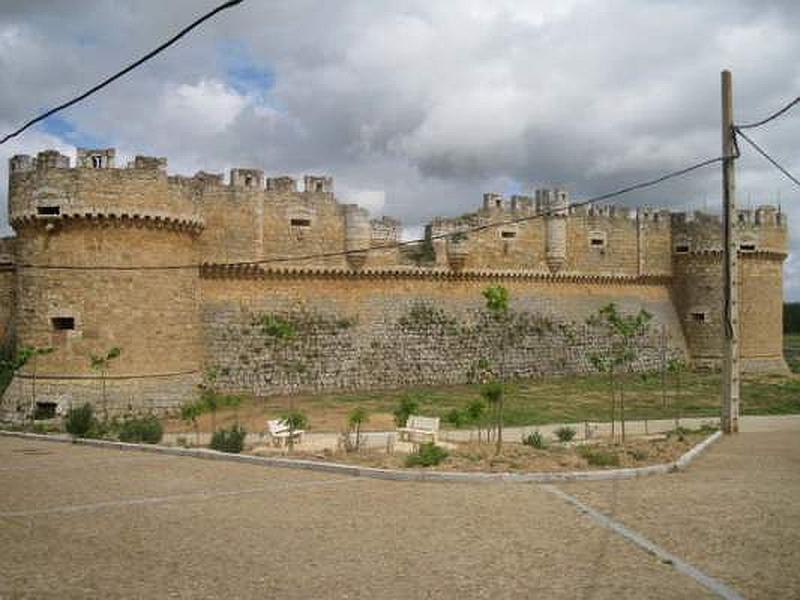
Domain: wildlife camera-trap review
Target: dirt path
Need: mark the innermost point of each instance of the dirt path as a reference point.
(80, 522)
(735, 514)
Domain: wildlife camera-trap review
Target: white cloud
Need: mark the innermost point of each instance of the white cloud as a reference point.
(207, 107)
(417, 107)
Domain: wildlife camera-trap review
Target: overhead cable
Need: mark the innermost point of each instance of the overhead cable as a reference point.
(131, 67)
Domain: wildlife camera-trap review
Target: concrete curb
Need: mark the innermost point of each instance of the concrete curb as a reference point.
(389, 474)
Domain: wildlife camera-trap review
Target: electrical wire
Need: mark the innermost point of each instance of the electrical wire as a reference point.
(131, 67)
(763, 153)
(392, 245)
(774, 115)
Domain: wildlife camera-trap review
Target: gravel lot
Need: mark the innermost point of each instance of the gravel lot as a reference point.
(80, 522)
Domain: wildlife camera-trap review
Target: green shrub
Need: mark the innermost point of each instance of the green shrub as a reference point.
(565, 434)
(427, 455)
(493, 392)
(638, 454)
(598, 457)
(141, 429)
(229, 440)
(80, 421)
(496, 298)
(535, 440)
(456, 418)
(407, 407)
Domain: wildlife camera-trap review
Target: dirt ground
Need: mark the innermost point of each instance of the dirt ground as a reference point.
(517, 457)
(79, 522)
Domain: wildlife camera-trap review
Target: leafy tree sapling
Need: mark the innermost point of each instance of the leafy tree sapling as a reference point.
(101, 363)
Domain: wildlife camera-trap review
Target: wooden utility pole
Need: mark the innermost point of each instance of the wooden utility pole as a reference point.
(730, 266)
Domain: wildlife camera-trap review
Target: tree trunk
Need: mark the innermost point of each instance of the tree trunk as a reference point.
(499, 448)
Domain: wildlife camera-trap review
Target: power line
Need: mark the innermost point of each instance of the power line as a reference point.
(111, 79)
(392, 245)
(774, 115)
(763, 153)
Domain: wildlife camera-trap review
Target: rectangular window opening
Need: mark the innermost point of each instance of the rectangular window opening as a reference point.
(699, 317)
(63, 323)
(301, 222)
(45, 410)
(597, 242)
(508, 234)
(682, 248)
(747, 247)
(48, 210)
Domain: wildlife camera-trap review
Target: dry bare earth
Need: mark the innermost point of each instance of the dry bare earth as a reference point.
(79, 522)
(516, 457)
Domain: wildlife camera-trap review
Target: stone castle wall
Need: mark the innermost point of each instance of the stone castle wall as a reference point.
(392, 330)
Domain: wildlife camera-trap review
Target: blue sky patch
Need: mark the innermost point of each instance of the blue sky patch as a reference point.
(61, 128)
(242, 72)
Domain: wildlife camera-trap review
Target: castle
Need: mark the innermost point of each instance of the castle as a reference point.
(278, 290)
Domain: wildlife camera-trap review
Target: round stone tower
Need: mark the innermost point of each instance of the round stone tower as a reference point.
(105, 259)
(698, 286)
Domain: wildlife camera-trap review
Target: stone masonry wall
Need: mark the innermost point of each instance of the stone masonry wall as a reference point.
(270, 336)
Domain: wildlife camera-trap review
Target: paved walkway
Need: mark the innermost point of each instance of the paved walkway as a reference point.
(319, 441)
(78, 522)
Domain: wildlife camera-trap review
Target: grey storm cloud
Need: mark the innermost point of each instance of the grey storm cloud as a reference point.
(418, 107)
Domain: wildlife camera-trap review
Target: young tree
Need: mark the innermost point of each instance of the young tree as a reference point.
(101, 364)
(295, 420)
(675, 366)
(623, 331)
(189, 413)
(493, 393)
(357, 418)
(20, 359)
(475, 413)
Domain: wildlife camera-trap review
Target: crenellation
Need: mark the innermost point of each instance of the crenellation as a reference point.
(313, 183)
(96, 158)
(281, 184)
(20, 163)
(149, 163)
(251, 179)
(51, 159)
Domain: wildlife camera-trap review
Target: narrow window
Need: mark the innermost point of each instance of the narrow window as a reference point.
(63, 323)
(747, 247)
(301, 222)
(681, 248)
(699, 317)
(47, 211)
(508, 234)
(45, 410)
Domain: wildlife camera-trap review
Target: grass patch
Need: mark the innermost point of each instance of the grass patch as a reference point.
(527, 403)
(791, 351)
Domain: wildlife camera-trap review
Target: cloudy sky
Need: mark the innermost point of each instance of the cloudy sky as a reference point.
(418, 107)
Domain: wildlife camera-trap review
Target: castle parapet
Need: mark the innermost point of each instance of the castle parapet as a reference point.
(51, 159)
(96, 158)
(251, 179)
(281, 184)
(53, 195)
(313, 183)
(149, 163)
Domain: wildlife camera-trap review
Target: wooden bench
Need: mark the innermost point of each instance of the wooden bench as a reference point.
(420, 428)
(280, 433)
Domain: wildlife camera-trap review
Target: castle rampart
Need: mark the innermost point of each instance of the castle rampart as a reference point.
(179, 272)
